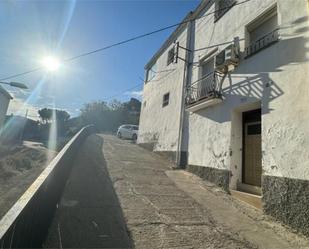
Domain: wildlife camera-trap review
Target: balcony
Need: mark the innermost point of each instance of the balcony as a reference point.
(262, 43)
(204, 92)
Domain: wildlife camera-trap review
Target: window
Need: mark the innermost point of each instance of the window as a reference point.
(135, 128)
(207, 67)
(144, 104)
(206, 85)
(166, 99)
(222, 6)
(262, 32)
(170, 56)
(151, 72)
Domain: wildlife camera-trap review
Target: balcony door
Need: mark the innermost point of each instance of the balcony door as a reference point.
(252, 151)
(206, 85)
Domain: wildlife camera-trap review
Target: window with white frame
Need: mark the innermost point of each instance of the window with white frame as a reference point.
(206, 82)
(207, 67)
(151, 72)
(262, 32)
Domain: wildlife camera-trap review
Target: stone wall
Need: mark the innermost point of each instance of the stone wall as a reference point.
(287, 200)
(217, 176)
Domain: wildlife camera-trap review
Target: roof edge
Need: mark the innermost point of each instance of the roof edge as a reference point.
(180, 27)
(2, 90)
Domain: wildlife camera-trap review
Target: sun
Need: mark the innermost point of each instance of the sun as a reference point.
(51, 63)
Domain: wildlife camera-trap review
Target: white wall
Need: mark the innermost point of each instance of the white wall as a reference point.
(283, 66)
(161, 124)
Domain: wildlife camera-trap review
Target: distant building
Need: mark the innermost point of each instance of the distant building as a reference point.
(227, 96)
(19, 128)
(5, 98)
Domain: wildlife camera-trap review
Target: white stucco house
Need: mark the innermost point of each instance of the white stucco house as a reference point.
(5, 98)
(227, 97)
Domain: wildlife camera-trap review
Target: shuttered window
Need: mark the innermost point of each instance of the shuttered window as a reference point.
(166, 99)
(170, 56)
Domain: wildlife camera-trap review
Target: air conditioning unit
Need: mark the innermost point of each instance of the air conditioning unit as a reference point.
(226, 58)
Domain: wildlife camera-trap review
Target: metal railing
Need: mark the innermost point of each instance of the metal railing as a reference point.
(208, 87)
(262, 43)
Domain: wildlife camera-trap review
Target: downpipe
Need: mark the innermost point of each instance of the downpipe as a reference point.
(185, 83)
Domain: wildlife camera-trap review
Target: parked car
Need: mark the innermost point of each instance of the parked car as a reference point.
(128, 131)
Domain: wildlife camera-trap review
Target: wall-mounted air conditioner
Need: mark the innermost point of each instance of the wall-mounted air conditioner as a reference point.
(227, 57)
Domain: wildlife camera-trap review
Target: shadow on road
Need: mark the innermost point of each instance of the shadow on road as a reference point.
(89, 214)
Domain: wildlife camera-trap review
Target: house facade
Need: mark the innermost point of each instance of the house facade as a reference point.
(160, 119)
(5, 98)
(242, 106)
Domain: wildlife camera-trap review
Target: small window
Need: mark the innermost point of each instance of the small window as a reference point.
(207, 67)
(151, 72)
(135, 128)
(223, 6)
(170, 56)
(254, 129)
(166, 99)
(144, 104)
(262, 32)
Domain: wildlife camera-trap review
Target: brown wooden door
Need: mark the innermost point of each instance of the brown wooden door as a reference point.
(252, 171)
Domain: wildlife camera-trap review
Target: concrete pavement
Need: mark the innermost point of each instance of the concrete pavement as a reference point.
(122, 196)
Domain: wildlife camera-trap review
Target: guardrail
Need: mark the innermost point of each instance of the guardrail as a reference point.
(26, 224)
(264, 42)
(203, 89)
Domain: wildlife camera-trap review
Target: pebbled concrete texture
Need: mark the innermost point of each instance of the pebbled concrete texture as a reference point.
(120, 195)
(287, 200)
(218, 176)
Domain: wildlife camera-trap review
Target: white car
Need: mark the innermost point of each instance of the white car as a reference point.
(128, 131)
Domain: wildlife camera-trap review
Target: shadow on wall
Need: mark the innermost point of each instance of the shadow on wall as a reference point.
(249, 90)
(90, 205)
(251, 81)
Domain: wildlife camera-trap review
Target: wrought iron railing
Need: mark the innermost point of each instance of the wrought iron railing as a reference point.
(208, 87)
(262, 43)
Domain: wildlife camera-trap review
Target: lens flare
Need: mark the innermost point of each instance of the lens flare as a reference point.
(51, 63)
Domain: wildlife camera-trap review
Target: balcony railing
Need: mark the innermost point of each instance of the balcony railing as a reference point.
(206, 88)
(262, 43)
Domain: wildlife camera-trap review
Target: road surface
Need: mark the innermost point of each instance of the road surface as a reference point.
(121, 196)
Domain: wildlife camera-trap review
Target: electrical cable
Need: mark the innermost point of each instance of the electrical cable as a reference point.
(126, 41)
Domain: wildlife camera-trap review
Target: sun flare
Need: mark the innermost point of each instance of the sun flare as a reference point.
(51, 63)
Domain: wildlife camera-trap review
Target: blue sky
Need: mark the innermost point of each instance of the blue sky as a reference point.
(33, 29)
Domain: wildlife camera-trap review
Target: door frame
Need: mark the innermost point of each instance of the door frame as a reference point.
(246, 120)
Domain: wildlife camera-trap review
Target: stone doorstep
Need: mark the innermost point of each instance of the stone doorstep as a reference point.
(255, 190)
(251, 199)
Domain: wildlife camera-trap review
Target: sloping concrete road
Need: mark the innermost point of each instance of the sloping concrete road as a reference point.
(122, 196)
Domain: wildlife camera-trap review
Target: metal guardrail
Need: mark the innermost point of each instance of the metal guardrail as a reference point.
(208, 87)
(262, 43)
(26, 224)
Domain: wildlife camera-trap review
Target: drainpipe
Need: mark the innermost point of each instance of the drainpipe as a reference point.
(186, 81)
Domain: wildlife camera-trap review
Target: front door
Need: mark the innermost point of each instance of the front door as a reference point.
(252, 151)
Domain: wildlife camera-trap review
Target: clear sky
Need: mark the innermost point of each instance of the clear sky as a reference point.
(33, 29)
